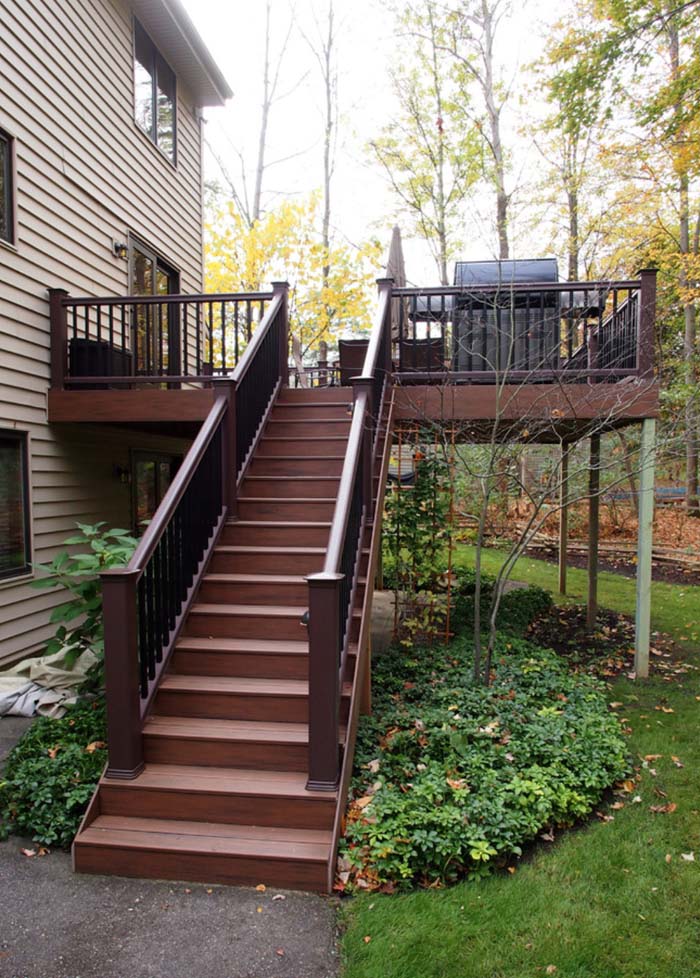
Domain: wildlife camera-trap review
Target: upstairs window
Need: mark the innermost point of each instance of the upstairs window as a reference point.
(154, 82)
(14, 505)
(6, 191)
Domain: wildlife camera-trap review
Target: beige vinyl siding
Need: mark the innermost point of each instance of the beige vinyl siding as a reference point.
(85, 176)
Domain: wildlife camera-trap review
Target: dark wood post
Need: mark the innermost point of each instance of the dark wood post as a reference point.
(324, 681)
(593, 532)
(59, 338)
(225, 387)
(647, 321)
(282, 288)
(124, 734)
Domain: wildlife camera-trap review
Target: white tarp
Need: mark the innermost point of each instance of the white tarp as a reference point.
(42, 684)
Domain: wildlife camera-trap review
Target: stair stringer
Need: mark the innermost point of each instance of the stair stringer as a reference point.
(363, 662)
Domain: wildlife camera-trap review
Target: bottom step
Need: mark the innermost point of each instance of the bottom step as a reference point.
(204, 852)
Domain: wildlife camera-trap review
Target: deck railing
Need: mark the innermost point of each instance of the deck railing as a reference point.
(126, 341)
(146, 602)
(332, 593)
(520, 333)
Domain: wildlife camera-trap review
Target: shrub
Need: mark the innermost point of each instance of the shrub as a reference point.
(79, 620)
(455, 777)
(517, 609)
(52, 773)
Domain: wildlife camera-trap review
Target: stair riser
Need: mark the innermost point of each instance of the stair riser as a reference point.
(300, 395)
(285, 510)
(287, 874)
(270, 447)
(209, 806)
(310, 427)
(272, 563)
(251, 665)
(215, 753)
(232, 706)
(292, 488)
(296, 466)
(300, 412)
(215, 625)
(237, 706)
(216, 592)
(261, 535)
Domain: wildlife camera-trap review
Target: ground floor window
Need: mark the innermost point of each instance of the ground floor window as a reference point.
(151, 475)
(15, 553)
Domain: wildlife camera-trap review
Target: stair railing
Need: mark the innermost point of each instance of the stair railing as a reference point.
(145, 603)
(332, 592)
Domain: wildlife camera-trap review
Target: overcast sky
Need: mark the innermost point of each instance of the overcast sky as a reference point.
(362, 203)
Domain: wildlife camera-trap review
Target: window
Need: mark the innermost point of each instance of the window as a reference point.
(6, 191)
(154, 83)
(156, 330)
(14, 505)
(151, 475)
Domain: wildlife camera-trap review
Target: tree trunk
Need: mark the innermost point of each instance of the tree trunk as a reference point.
(494, 115)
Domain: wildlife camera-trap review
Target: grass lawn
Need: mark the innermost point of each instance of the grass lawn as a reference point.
(614, 899)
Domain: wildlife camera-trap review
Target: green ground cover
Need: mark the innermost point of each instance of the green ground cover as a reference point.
(615, 898)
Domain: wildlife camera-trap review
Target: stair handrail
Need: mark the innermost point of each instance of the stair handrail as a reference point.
(332, 592)
(145, 603)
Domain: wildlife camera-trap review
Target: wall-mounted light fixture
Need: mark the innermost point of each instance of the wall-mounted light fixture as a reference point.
(120, 249)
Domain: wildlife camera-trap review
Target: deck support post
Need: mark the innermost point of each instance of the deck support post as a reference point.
(59, 338)
(124, 732)
(593, 532)
(225, 387)
(563, 515)
(324, 681)
(642, 623)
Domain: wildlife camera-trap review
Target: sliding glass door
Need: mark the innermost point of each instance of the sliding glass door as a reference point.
(156, 326)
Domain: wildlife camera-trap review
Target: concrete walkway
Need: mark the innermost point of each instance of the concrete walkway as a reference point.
(54, 924)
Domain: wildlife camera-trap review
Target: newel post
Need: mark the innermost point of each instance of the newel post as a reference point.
(324, 681)
(59, 337)
(647, 321)
(225, 388)
(124, 734)
(282, 288)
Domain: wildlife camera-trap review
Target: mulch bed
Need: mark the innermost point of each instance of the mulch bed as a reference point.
(666, 573)
(606, 652)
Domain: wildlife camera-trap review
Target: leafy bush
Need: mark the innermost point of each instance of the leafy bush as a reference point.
(517, 609)
(452, 778)
(80, 619)
(52, 773)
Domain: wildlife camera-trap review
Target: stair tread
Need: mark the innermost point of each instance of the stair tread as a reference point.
(278, 523)
(266, 610)
(207, 837)
(292, 478)
(269, 731)
(256, 578)
(202, 728)
(223, 780)
(262, 646)
(175, 681)
(283, 500)
(247, 685)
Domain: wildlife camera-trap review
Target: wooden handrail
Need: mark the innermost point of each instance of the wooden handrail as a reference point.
(175, 298)
(341, 511)
(459, 290)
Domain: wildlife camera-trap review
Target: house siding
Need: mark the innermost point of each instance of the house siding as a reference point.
(85, 176)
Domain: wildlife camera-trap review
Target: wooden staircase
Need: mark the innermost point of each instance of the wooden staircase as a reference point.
(222, 796)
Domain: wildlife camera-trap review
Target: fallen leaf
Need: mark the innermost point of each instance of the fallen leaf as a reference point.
(210, 891)
(677, 761)
(258, 909)
(363, 802)
(550, 969)
(367, 939)
(637, 800)
(52, 751)
(43, 851)
(261, 887)
(280, 952)
(29, 853)
(279, 896)
(95, 745)
(668, 857)
(617, 805)
(663, 809)
(689, 857)
(652, 757)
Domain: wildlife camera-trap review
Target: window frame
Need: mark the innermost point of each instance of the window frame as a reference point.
(9, 196)
(26, 570)
(155, 57)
